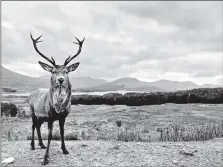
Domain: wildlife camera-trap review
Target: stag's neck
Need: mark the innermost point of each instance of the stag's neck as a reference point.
(60, 96)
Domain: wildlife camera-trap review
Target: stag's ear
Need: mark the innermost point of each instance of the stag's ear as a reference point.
(73, 67)
(46, 66)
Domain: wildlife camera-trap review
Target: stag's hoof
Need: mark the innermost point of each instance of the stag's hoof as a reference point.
(45, 160)
(32, 145)
(42, 146)
(65, 151)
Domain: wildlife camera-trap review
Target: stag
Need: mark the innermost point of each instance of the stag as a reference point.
(53, 104)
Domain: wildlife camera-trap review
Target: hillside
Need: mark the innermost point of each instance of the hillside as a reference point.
(133, 84)
(129, 84)
(79, 81)
(174, 85)
(20, 82)
(209, 86)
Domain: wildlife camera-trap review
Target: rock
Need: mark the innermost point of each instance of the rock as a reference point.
(8, 160)
(174, 161)
(186, 153)
(116, 147)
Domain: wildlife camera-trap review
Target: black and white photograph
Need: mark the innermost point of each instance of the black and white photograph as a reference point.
(112, 83)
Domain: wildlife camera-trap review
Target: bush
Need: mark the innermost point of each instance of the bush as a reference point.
(8, 109)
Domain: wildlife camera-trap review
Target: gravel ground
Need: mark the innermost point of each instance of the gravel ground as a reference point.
(114, 153)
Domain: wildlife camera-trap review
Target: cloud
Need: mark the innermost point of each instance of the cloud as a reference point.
(197, 23)
(146, 40)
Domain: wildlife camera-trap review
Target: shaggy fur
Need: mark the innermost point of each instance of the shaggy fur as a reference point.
(44, 101)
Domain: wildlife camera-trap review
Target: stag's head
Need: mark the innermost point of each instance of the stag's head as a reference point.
(59, 73)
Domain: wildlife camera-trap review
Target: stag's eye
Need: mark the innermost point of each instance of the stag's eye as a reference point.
(54, 72)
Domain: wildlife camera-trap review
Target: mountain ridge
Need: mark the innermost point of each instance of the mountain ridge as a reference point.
(20, 82)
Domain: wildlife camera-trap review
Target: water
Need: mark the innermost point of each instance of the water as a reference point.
(73, 93)
(102, 93)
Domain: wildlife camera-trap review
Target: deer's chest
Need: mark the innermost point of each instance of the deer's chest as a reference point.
(59, 95)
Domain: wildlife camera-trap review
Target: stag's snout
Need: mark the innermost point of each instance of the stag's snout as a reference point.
(60, 80)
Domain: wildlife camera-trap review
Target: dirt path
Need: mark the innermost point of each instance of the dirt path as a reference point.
(112, 153)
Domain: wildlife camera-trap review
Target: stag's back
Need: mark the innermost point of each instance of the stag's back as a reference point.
(39, 102)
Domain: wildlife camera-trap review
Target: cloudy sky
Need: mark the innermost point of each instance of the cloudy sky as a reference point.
(146, 40)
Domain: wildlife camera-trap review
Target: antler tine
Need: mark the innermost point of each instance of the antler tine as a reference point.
(39, 38)
(53, 60)
(80, 43)
(66, 61)
(35, 41)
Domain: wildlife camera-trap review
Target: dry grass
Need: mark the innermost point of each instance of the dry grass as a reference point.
(128, 132)
(56, 136)
(126, 135)
(9, 133)
(179, 132)
(127, 124)
(173, 132)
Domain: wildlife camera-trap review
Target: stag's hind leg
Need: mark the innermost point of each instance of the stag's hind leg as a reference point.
(38, 126)
(33, 128)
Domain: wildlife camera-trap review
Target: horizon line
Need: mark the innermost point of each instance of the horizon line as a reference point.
(118, 78)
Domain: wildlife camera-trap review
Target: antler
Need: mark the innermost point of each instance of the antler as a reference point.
(35, 41)
(80, 43)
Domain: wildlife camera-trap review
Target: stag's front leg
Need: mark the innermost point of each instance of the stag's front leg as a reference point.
(50, 130)
(38, 126)
(61, 122)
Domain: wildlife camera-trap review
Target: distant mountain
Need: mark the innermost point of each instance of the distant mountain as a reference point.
(133, 84)
(210, 86)
(128, 84)
(78, 82)
(174, 85)
(177, 85)
(20, 82)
